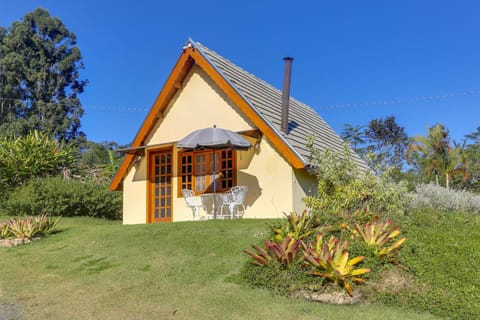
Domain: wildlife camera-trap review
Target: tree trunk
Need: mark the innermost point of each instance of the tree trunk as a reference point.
(447, 181)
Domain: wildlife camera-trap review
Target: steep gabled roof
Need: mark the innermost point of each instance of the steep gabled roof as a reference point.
(258, 100)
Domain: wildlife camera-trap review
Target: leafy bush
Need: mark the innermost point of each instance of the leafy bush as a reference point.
(59, 197)
(33, 155)
(343, 186)
(443, 199)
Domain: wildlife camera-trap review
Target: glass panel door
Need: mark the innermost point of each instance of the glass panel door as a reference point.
(161, 186)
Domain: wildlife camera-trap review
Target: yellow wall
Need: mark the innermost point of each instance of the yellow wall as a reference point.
(304, 184)
(201, 104)
(135, 194)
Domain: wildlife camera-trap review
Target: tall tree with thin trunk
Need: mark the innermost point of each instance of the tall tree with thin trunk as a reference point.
(39, 78)
(436, 156)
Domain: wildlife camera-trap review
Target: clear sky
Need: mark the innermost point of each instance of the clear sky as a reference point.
(353, 60)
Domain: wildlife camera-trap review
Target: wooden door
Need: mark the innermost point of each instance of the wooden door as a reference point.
(160, 186)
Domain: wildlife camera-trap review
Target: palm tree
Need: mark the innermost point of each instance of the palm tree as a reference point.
(453, 162)
(354, 135)
(435, 154)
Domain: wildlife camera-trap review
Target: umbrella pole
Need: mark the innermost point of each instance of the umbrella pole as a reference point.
(214, 186)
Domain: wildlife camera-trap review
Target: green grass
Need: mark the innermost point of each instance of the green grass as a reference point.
(97, 269)
(443, 251)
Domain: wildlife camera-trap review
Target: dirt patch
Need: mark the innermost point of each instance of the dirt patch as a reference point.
(394, 281)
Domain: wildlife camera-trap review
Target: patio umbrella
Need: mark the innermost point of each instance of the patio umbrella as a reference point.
(214, 138)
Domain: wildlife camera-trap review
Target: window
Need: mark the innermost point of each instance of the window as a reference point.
(199, 170)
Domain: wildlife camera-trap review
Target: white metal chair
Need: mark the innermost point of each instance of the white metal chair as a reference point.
(234, 201)
(226, 198)
(193, 202)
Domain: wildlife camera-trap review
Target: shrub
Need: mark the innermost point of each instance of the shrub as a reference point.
(33, 155)
(442, 199)
(59, 197)
(343, 186)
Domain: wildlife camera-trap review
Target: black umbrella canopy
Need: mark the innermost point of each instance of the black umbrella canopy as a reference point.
(214, 138)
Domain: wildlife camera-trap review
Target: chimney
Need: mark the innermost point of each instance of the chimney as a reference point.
(286, 93)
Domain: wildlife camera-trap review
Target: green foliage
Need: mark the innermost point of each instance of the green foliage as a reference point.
(434, 155)
(378, 236)
(99, 161)
(329, 260)
(40, 78)
(343, 186)
(33, 155)
(295, 226)
(387, 143)
(282, 281)
(472, 154)
(355, 136)
(63, 197)
(28, 227)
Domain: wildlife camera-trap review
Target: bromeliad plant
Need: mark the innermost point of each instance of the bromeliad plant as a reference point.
(28, 227)
(283, 253)
(378, 236)
(4, 230)
(329, 260)
(296, 226)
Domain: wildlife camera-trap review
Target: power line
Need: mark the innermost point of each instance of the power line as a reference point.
(3, 102)
(401, 100)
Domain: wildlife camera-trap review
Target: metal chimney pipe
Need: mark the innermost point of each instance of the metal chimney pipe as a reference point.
(287, 76)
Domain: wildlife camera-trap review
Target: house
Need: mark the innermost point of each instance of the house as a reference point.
(205, 89)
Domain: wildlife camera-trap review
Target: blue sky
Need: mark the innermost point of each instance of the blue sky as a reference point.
(353, 60)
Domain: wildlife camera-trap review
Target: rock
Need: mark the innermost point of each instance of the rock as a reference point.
(15, 242)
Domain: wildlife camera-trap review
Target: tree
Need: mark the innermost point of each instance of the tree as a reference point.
(451, 162)
(472, 154)
(39, 78)
(99, 160)
(355, 135)
(387, 143)
(434, 155)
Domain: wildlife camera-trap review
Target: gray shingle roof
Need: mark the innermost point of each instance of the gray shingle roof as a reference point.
(266, 100)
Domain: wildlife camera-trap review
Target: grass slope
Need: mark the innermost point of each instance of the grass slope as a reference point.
(95, 269)
(443, 251)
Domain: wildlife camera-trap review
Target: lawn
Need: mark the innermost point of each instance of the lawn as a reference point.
(97, 269)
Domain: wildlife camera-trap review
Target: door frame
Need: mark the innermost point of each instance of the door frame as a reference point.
(151, 183)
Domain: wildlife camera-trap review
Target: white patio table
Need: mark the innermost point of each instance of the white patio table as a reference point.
(212, 206)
